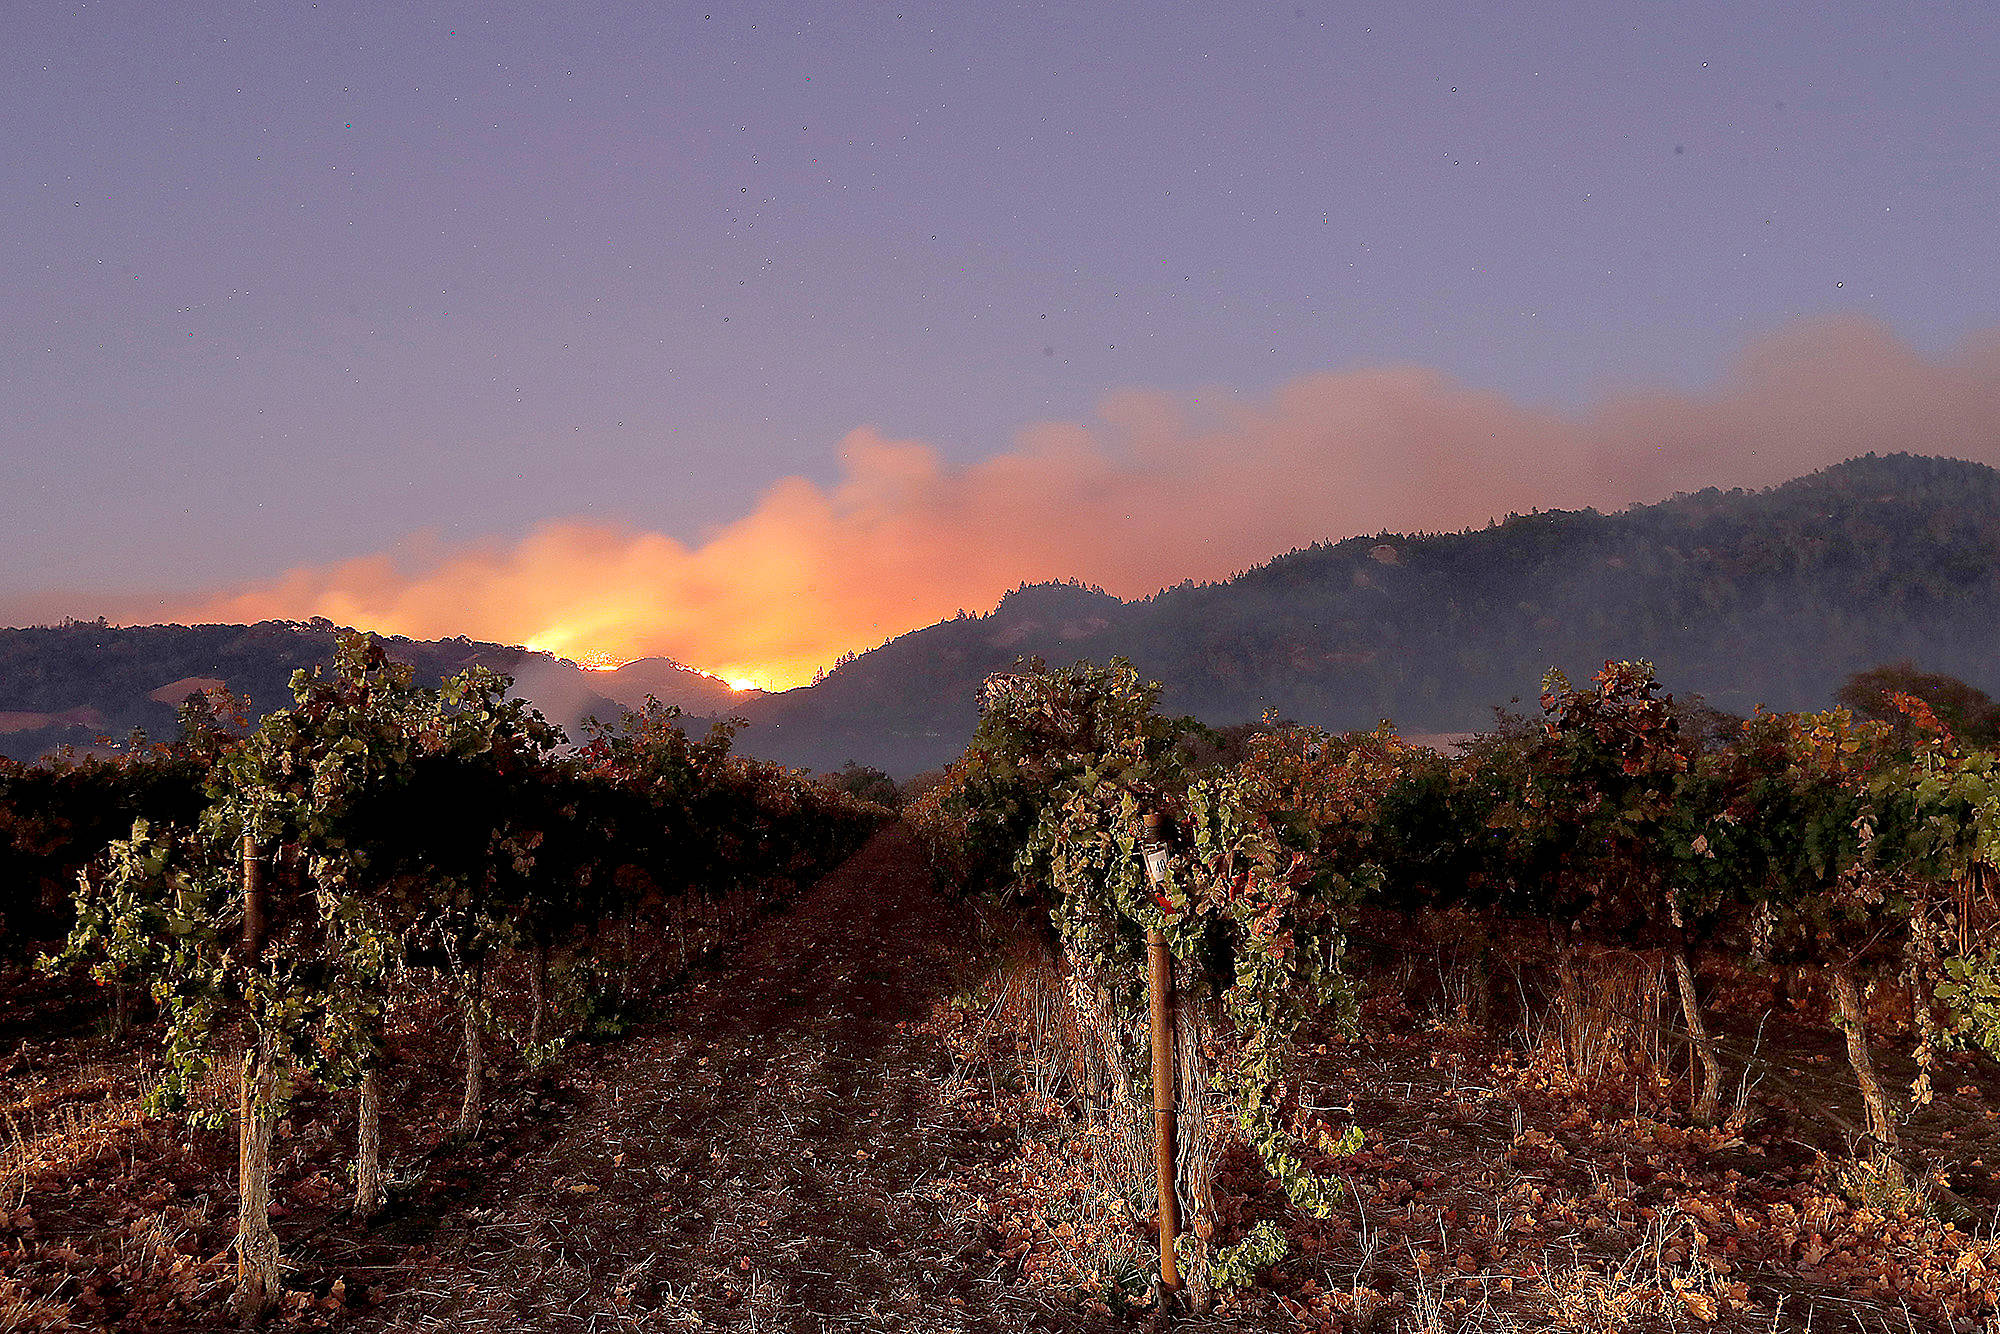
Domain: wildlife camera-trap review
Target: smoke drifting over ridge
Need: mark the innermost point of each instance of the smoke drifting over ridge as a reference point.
(1163, 487)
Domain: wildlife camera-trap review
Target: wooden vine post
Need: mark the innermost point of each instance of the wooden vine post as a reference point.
(1160, 981)
(253, 899)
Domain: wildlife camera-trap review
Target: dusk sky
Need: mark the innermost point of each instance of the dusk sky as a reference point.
(750, 335)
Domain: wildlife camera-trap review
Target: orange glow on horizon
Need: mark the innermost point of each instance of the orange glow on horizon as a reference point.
(563, 642)
(1158, 488)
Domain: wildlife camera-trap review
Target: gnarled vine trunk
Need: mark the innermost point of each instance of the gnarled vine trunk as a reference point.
(626, 947)
(257, 1277)
(1108, 1041)
(1198, 1139)
(1710, 1099)
(681, 923)
(368, 1192)
(1107, 1082)
(1854, 1023)
(538, 993)
(475, 1056)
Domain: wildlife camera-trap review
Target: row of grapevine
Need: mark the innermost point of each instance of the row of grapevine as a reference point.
(57, 816)
(1853, 848)
(382, 844)
(1045, 809)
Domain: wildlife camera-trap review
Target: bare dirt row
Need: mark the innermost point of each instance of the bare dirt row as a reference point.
(759, 1156)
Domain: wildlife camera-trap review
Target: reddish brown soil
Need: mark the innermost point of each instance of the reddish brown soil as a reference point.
(791, 1144)
(758, 1157)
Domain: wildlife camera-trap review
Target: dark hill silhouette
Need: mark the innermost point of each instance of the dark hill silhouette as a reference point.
(696, 692)
(1767, 597)
(68, 684)
(1745, 597)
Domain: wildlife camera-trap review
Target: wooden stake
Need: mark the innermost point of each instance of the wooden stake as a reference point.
(1159, 968)
(254, 905)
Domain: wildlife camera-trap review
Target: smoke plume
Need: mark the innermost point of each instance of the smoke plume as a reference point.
(1158, 488)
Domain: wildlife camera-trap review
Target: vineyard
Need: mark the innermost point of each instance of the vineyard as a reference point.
(400, 1011)
(299, 906)
(1596, 861)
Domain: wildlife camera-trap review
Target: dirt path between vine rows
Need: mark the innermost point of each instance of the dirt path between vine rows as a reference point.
(758, 1157)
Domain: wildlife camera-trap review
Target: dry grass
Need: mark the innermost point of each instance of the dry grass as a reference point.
(61, 1119)
(1607, 1016)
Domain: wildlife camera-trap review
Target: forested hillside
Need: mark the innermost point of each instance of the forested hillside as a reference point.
(69, 684)
(1768, 597)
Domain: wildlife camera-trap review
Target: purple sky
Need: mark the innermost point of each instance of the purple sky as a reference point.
(285, 284)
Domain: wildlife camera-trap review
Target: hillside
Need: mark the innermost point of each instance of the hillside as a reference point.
(1768, 597)
(1745, 597)
(68, 684)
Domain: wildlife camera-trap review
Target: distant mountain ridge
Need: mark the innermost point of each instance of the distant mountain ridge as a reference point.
(670, 682)
(71, 683)
(1766, 597)
(1747, 597)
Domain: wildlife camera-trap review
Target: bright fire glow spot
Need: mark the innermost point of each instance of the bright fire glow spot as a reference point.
(742, 683)
(556, 641)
